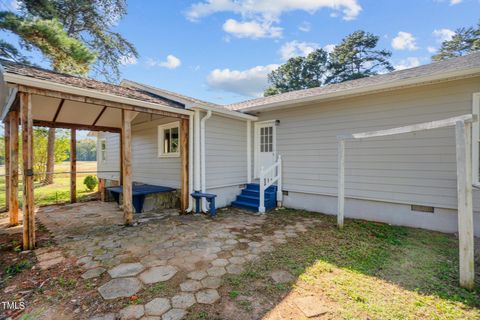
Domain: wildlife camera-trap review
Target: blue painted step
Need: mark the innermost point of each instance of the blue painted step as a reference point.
(249, 199)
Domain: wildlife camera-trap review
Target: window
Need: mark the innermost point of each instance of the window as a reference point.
(169, 140)
(103, 150)
(476, 140)
(266, 139)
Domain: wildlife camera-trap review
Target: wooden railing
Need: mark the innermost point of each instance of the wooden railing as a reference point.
(267, 178)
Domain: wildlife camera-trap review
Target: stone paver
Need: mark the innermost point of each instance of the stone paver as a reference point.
(207, 296)
(157, 307)
(174, 314)
(132, 312)
(157, 274)
(212, 282)
(219, 262)
(120, 287)
(216, 271)
(281, 276)
(197, 275)
(104, 316)
(310, 306)
(237, 260)
(235, 269)
(93, 273)
(126, 270)
(183, 301)
(47, 264)
(190, 285)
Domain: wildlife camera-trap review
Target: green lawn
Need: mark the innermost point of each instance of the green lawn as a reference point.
(365, 271)
(59, 192)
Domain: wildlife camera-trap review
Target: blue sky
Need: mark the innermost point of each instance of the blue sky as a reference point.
(221, 50)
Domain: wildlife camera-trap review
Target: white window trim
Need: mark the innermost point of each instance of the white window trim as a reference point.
(100, 151)
(475, 140)
(256, 143)
(161, 130)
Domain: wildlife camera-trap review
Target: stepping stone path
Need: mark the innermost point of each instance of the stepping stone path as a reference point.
(183, 301)
(49, 259)
(157, 307)
(183, 248)
(119, 288)
(132, 312)
(157, 274)
(207, 296)
(310, 306)
(126, 270)
(93, 273)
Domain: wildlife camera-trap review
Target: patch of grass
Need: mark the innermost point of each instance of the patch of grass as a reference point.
(367, 270)
(233, 294)
(18, 267)
(66, 283)
(157, 288)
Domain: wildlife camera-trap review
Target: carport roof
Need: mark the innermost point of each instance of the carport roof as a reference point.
(86, 83)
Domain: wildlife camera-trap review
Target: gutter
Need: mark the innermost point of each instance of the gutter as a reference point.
(227, 112)
(190, 163)
(53, 86)
(400, 84)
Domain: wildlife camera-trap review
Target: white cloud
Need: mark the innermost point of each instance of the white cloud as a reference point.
(15, 5)
(251, 82)
(128, 60)
(251, 29)
(454, 2)
(171, 62)
(296, 48)
(443, 34)
(404, 41)
(305, 26)
(407, 63)
(329, 47)
(272, 9)
(431, 49)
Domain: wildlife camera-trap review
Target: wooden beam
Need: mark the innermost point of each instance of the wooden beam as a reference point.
(59, 108)
(100, 102)
(27, 154)
(50, 124)
(184, 196)
(465, 207)
(6, 142)
(412, 128)
(73, 166)
(13, 170)
(341, 183)
(127, 117)
(99, 116)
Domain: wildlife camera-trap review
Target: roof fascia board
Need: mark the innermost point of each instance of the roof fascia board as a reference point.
(44, 84)
(227, 113)
(371, 89)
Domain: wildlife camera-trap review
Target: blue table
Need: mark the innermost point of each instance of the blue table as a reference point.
(210, 198)
(138, 193)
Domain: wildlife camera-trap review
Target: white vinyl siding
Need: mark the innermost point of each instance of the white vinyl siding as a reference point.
(414, 168)
(147, 166)
(226, 151)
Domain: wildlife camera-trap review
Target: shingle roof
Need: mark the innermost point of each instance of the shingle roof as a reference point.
(455, 64)
(86, 83)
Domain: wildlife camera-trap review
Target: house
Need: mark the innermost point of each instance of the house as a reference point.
(409, 179)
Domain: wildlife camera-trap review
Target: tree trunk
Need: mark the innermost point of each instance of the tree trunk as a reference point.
(50, 157)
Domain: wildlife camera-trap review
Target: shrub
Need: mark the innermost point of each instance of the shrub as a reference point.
(90, 182)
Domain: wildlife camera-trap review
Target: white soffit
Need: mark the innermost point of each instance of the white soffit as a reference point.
(44, 108)
(110, 118)
(78, 112)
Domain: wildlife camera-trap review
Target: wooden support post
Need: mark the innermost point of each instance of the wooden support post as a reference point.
(120, 177)
(126, 147)
(341, 183)
(13, 169)
(184, 196)
(465, 207)
(73, 166)
(27, 154)
(6, 142)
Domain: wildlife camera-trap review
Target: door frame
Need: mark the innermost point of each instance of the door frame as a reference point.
(256, 143)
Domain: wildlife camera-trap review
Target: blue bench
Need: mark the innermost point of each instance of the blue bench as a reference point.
(210, 198)
(138, 193)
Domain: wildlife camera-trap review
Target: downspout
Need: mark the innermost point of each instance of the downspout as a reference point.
(190, 163)
(196, 152)
(249, 151)
(202, 145)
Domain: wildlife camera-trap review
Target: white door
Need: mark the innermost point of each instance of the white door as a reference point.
(265, 145)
